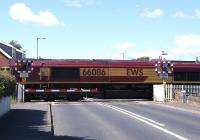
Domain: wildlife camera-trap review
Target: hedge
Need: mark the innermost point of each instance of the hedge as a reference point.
(7, 84)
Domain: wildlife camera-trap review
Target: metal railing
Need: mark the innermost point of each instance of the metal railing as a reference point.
(193, 90)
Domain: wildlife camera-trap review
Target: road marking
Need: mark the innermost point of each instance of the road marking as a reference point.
(65, 103)
(145, 120)
(134, 114)
(75, 104)
(143, 103)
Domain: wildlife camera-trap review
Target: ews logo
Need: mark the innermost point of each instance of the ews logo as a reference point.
(134, 72)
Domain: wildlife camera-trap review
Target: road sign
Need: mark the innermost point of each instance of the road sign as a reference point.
(24, 66)
(23, 75)
(163, 75)
(23, 80)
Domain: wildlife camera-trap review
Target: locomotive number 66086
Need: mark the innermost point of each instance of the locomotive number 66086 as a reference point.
(93, 72)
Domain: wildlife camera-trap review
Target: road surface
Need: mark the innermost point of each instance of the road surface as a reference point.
(127, 120)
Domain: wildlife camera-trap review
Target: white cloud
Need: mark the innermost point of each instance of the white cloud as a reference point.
(74, 3)
(197, 11)
(188, 41)
(152, 14)
(23, 14)
(124, 46)
(179, 14)
(187, 47)
(80, 3)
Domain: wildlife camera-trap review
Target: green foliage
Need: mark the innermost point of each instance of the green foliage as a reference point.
(15, 44)
(144, 58)
(7, 84)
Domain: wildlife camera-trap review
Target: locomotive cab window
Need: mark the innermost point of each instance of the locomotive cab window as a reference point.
(193, 76)
(64, 73)
(180, 76)
(186, 76)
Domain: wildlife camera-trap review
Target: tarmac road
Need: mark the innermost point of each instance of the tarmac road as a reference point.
(123, 120)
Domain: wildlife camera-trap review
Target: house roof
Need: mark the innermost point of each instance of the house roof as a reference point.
(5, 54)
(11, 46)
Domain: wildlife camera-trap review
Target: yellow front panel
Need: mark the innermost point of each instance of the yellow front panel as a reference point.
(126, 72)
(149, 75)
(45, 71)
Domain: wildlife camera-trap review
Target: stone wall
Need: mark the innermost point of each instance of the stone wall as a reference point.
(178, 97)
(194, 100)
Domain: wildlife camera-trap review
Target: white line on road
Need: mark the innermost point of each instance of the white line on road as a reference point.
(143, 103)
(66, 103)
(145, 120)
(137, 115)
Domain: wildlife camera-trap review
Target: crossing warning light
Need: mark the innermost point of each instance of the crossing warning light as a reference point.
(164, 68)
(24, 66)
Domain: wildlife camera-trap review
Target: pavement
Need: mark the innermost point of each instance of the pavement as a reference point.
(193, 108)
(28, 121)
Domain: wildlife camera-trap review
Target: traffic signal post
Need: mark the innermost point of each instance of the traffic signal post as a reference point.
(163, 69)
(23, 68)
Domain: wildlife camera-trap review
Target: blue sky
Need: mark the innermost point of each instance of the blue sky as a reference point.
(103, 29)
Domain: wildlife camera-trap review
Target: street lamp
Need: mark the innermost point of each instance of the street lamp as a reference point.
(161, 57)
(164, 53)
(38, 38)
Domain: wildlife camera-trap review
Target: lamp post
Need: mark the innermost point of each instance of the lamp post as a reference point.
(38, 38)
(162, 54)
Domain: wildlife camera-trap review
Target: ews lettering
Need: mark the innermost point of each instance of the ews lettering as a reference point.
(134, 72)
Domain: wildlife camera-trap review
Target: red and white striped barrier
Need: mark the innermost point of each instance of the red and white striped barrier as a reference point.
(60, 90)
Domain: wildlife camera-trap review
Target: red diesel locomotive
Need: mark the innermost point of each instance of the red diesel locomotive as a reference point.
(73, 79)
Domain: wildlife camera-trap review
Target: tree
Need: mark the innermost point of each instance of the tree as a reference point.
(144, 58)
(7, 84)
(15, 44)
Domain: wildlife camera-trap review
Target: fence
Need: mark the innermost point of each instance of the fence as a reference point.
(193, 90)
(183, 93)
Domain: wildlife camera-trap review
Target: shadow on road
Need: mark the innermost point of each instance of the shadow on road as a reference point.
(25, 124)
